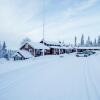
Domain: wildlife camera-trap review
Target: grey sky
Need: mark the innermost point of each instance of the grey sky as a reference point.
(64, 19)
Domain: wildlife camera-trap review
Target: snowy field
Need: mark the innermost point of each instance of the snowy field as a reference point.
(51, 78)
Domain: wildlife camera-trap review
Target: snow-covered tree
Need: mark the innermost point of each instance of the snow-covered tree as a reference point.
(0, 46)
(0, 50)
(4, 53)
(89, 42)
(95, 42)
(98, 43)
(75, 41)
(6, 56)
(59, 41)
(26, 40)
(82, 40)
(11, 53)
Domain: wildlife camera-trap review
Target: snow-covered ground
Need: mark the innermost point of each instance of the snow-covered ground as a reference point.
(51, 78)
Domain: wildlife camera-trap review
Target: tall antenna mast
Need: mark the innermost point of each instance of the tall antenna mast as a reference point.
(43, 24)
(43, 18)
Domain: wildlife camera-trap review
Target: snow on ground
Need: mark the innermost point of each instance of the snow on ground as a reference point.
(63, 77)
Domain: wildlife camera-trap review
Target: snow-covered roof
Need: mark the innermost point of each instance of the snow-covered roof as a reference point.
(66, 47)
(38, 45)
(88, 48)
(56, 47)
(26, 54)
(60, 47)
(52, 43)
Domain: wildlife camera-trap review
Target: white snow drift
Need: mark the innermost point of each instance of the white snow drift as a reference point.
(63, 77)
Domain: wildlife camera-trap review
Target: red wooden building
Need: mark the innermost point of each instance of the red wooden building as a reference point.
(36, 49)
(55, 48)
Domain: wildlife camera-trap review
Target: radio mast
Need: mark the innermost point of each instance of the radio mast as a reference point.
(43, 25)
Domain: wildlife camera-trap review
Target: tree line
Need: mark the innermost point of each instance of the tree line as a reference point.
(88, 42)
(4, 52)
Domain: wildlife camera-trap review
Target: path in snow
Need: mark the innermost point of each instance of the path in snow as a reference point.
(53, 78)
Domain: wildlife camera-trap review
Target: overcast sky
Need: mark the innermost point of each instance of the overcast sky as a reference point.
(63, 19)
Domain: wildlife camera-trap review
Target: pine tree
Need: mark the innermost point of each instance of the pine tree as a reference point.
(4, 50)
(0, 50)
(98, 40)
(88, 42)
(75, 41)
(82, 40)
(95, 42)
(4, 46)
(0, 46)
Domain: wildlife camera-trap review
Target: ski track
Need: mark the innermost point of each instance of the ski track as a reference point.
(47, 80)
(91, 70)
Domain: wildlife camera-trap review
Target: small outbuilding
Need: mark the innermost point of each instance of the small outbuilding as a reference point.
(21, 55)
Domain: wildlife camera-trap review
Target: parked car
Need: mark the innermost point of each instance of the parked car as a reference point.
(82, 54)
(85, 53)
(90, 52)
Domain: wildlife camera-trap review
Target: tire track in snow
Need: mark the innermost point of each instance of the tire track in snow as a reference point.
(92, 91)
(91, 72)
(85, 80)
